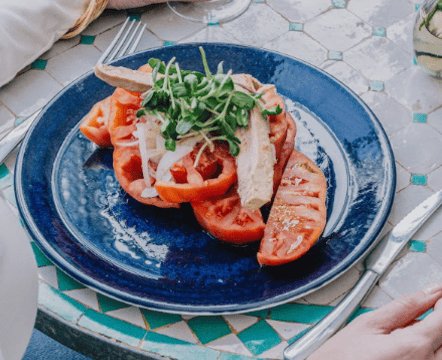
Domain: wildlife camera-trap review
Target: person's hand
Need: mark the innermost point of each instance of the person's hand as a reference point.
(391, 332)
(129, 4)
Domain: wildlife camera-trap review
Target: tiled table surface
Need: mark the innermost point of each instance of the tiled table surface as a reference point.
(365, 44)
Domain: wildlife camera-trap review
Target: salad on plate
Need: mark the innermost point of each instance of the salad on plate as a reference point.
(222, 142)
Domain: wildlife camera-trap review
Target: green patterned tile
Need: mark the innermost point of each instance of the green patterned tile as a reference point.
(156, 319)
(176, 349)
(339, 4)
(112, 327)
(420, 118)
(376, 85)
(425, 314)
(213, 23)
(259, 337)
(418, 179)
(134, 16)
(301, 313)
(40, 258)
(379, 31)
(168, 43)
(226, 356)
(417, 246)
(417, 7)
(39, 64)
(334, 55)
(4, 171)
(259, 1)
(59, 304)
(298, 336)
(87, 39)
(295, 26)
(65, 282)
(209, 328)
(108, 304)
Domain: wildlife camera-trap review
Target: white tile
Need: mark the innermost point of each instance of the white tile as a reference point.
(60, 47)
(432, 227)
(300, 45)
(421, 268)
(401, 33)
(240, 322)
(416, 90)
(129, 314)
(73, 63)
(299, 10)
(337, 29)
(378, 58)
(229, 343)
(6, 121)
(380, 12)
(257, 26)
(86, 296)
(106, 21)
(435, 119)
(275, 352)
(165, 24)
(390, 113)
(332, 291)
(287, 330)
(349, 76)
(148, 40)
(434, 248)
(211, 34)
(179, 330)
(28, 92)
(402, 178)
(406, 200)
(417, 147)
(435, 179)
(376, 298)
(49, 275)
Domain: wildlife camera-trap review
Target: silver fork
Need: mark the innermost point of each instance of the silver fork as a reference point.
(124, 43)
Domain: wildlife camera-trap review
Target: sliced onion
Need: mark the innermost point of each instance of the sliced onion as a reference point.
(183, 148)
(127, 144)
(149, 192)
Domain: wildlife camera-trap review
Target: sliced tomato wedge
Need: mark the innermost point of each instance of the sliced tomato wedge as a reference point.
(298, 214)
(286, 151)
(278, 123)
(227, 220)
(127, 167)
(196, 188)
(94, 123)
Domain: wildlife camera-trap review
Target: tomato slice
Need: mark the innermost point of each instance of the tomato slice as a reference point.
(127, 167)
(94, 123)
(286, 151)
(196, 188)
(298, 214)
(278, 123)
(227, 220)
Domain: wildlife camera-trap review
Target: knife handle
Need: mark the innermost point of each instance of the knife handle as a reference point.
(328, 326)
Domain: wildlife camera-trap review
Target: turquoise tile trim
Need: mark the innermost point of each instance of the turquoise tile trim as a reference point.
(301, 313)
(112, 327)
(66, 282)
(213, 23)
(157, 319)
(379, 31)
(168, 43)
(339, 4)
(87, 39)
(39, 64)
(108, 304)
(298, 336)
(40, 258)
(414, 61)
(417, 7)
(425, 314)
(376, 85)
(176, 349)
(226, 356)
(334, 55)
(295, 26)
(259, 1)
(134, 16)
(209, 328)
(417, 246)
(418, 179)
(259, 337)
(60, 304)
(263, 314)
(419, 118)
(359, 311)
(4, 171)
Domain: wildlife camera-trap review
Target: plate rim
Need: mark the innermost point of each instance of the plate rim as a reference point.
(340, 269)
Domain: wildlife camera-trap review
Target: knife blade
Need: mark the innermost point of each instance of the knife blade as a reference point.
(376, 264)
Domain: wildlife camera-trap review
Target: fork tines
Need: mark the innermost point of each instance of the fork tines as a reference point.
(125, 42)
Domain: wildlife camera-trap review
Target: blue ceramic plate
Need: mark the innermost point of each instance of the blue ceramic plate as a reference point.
(161, 259)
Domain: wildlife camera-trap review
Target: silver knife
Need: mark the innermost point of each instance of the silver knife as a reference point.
(376, 264)
(15, 136)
